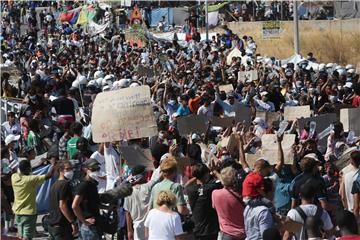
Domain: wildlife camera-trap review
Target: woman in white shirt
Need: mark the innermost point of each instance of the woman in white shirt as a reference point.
(163, 223)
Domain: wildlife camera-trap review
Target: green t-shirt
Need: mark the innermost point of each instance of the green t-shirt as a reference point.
(35, 142)
(25, 193)
(71, 146)
(165, 185)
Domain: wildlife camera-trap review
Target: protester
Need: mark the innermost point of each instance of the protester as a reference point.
(162, 222)
(24, 185)
(62, 222)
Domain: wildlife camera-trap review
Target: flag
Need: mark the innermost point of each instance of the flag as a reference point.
(82, 19)
(43, 193)
(74, 18)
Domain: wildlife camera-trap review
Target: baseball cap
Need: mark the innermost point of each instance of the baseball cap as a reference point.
(92, 164)
(11, 138)
(312, 156)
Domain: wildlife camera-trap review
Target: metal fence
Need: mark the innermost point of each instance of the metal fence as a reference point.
(9, 105)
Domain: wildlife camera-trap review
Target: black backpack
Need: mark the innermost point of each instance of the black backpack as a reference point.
(302, 214)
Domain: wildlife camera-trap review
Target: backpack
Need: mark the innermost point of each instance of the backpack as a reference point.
(302, 214)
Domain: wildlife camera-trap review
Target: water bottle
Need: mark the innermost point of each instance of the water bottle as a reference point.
(326, 131)
(312, 129)
(350, 138)
(283, 125)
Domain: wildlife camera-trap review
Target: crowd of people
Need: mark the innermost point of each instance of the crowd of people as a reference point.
(197, 187)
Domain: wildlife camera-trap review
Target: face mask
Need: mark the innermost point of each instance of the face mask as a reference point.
(69, 175)
(94, 175)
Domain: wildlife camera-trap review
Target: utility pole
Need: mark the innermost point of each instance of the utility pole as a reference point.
(296, 28)
(207, 20)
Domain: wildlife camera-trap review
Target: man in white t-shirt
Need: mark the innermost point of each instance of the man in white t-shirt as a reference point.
(309, 209)
(99, 156)
(136, 205)
(349, 175)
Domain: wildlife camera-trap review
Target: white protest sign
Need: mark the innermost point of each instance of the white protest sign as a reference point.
(123, 114)
(135, 155)
(243, 76)
(350, 118)
(226, 88)
(292, 113)
(269, 148)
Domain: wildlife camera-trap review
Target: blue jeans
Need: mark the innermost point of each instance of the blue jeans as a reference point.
(89, 232)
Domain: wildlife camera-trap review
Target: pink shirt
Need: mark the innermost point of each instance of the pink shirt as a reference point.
(230, 212)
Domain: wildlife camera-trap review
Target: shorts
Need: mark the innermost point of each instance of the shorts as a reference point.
(26, 225)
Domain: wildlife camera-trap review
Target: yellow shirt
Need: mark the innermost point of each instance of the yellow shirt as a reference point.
(25, 193)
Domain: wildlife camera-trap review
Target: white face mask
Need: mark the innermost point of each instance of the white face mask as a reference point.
(69, 175)
(94, 175)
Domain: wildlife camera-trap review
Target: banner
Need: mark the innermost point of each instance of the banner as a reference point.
(234, 53)
(43, 193)
(192, 124)
(292, 113)
(123, 114)
(93, 28)
(271, 30)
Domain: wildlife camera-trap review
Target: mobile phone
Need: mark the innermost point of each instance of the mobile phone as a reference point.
(174, 141)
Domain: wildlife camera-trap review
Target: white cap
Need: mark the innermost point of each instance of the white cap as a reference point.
(329, 65)
(106, 88)
(11, 138)
(109, 77)
(98, 74)
(313, 156)
(82, 79)
(349, 66)
(75, 84)
(99, 81)
(351, 71)
(134, 84)
(348, 85)
(92, 83)
(123, 83)
(322, 67)
(263, 93)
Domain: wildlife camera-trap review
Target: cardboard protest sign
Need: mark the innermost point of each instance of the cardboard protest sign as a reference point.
(344, 160)
(269, 117)
(192, 124)
(251, 75)
(135, 155)
(226, 88)
(123, 114)
(350, 118)
(222, 122)
(269, 148)
(146, 71)
(242, 113)
(322, 121)
(292, 113)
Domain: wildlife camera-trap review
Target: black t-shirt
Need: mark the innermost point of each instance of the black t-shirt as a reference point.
(63, 106)
(204, 216)
(60, 190)
(90, 198)
(355, 188)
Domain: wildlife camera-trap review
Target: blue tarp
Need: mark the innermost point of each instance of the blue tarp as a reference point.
(43, 193)
(157, 14)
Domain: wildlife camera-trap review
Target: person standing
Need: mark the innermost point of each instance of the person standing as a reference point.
(25, 185)
(61, 220)
(136, 205)
(86, 202)
(11, 126)
(162, 222)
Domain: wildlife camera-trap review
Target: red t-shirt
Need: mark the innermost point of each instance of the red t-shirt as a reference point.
(356, 101)
(349, 238)
(252, 184)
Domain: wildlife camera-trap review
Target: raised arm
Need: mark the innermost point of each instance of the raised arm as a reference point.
(242, 157)
(280, 162)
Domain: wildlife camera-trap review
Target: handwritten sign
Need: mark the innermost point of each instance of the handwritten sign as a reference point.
(147, 71)
(135, 155)
(243, 76)
(269, 117)
(242, 113)
(269, 148)
(350, 118)
(222, 122)
(123, 114)
(226, 88)
(192, 124)
(292, 113)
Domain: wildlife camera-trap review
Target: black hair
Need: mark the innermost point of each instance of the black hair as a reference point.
(271, 234)
(200, 170)
(307, 191)
(25, 167)
(34, 125)
(355, 158)
(76, 128)
(346, 221)
(11, 114)
(157, 151)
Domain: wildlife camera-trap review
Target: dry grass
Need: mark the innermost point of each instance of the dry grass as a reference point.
(330, 42)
